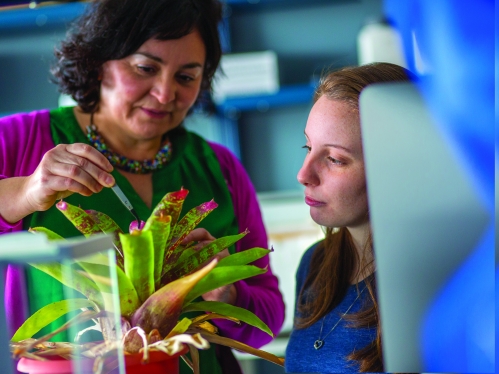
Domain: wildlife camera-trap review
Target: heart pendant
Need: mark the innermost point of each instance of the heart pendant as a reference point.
(318, 344)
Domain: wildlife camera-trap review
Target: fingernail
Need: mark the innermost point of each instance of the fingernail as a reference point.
(109, 181)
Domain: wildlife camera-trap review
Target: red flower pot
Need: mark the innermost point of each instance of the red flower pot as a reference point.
(159, 363)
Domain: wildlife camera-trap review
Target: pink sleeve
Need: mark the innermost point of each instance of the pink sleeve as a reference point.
(24, 139)
(259, 294)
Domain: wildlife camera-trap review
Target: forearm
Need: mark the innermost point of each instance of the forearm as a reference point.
(13, 203)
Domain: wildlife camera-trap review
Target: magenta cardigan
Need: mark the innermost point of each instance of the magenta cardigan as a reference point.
(24, 139)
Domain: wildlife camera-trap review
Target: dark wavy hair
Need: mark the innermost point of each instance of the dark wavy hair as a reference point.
(333, 262)
(114, 29)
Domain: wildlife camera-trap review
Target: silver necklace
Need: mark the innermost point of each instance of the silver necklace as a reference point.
(320, 342)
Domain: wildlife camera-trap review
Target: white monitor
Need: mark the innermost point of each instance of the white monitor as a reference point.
(426, 217)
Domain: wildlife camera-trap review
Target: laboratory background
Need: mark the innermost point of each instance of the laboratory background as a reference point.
(274, 53)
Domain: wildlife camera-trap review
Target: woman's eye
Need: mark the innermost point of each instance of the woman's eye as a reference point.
(335, 161)
(308, 148)
(185, 78)
(146, 69)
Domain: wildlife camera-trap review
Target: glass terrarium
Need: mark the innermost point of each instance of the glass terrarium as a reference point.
(82, 331)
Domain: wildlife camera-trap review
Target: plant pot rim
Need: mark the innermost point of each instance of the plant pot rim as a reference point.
(58, 365)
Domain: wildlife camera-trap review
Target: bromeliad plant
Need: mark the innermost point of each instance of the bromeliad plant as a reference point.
(159, 278)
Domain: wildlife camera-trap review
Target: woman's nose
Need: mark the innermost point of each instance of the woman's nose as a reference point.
(307, 174)
(164, 90)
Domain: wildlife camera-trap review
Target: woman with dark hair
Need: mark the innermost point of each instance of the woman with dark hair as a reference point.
(135, 70)
(336, 319)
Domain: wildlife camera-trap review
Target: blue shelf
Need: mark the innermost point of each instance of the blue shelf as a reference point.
(287, 95)
(42, 16)
(253, 3)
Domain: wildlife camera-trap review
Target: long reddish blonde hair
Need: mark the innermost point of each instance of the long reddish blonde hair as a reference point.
(333, 262)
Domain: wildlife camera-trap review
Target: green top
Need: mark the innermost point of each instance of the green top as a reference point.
(194, 166)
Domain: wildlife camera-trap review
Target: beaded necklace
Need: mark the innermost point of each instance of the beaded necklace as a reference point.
(124, 163)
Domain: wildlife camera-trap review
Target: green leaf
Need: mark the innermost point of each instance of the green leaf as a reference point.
(129, 300)
(105, 223)
(162, 309)
(184, 227)
(109, 226)
(73, 279)
(229, 311)
(191, 219)
(197, 258)
(160, 228)
(219, 277)
(217, 339)
(83, 221)
(187, 251)
(49, 233)
(171, 205)
(244, 257)
(47, 315)
(180, 327)
(138, 249)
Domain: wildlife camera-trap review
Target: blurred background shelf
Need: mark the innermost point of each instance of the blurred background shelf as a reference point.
(256, 4)
(309, 38)
(44, 15)
(287, 95)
